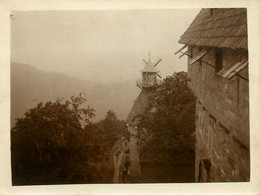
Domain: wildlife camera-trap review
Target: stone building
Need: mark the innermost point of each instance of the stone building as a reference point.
(217, 51)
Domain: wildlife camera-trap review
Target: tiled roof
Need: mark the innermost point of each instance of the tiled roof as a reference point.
(227, 28)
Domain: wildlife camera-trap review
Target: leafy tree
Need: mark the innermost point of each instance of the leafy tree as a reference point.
(169, 119)
(46, 143)
(109, 130)
(56, 142)
(113, 127)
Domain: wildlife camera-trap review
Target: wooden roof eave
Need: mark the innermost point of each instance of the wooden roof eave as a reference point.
(213, 47)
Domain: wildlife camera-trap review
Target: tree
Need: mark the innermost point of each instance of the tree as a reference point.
(102, 135)
(56, 143)
(113, 127)
(47, 144)
(170, 120)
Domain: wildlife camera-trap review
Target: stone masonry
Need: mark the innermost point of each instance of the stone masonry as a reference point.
(222, 121)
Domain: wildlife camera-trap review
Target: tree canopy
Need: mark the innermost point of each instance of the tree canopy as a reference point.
(169, 120)
(56, 142)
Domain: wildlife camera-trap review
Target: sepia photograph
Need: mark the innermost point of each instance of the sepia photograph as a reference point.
(129, 96)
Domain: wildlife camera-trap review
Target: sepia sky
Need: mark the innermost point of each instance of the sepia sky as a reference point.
(101, 46)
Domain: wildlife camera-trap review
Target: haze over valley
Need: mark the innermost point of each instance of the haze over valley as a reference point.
(29, 86)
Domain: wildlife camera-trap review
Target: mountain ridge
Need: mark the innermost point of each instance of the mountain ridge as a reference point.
(29, 86)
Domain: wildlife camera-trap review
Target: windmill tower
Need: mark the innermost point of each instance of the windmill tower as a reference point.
(149, 74)
(149, 79)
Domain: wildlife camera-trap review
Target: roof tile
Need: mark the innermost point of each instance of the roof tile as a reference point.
(226, 28)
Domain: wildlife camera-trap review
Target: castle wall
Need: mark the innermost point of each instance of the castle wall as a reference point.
(222, 124)
(228, 159)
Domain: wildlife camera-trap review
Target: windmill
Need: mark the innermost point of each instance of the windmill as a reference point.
(149, 74)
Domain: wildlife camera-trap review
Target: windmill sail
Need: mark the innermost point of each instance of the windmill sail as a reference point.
(159, 74)
(157, 62)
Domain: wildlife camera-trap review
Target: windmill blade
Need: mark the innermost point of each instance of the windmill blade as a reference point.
(157, 62)
(145, 61)
(159, 74)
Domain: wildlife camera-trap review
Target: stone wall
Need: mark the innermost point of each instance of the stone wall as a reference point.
(135, 167)
(120, 158)
(228, 159)
(222, 124)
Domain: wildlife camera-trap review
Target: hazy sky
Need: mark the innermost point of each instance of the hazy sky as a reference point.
(101, 46)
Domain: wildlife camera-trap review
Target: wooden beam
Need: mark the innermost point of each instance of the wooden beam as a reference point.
(184, 53)
(208, 63)
(242, 77)
(199, 56)
(180, 49)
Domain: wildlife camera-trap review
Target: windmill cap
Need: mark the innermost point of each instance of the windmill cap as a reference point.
(149, 67)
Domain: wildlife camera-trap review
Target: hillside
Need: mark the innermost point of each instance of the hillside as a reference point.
(30, 86)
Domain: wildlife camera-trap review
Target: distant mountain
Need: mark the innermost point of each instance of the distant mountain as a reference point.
(29, 86)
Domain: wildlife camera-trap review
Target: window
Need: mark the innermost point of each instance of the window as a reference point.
(207, 166)
(211, 12)
(218, 59)
(234, 68)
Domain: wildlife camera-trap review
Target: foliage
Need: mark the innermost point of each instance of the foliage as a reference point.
(113, 128)
(169, 119)
(110, 130)
(56, 142)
